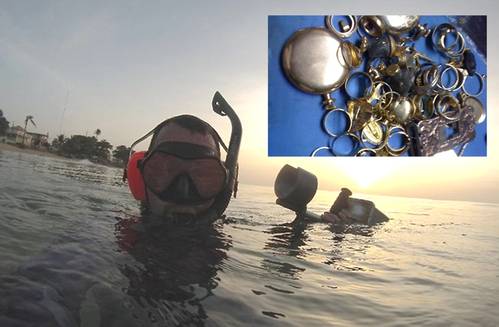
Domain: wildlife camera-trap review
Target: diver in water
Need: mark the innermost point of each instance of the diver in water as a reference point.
(338, 212)
(181, 177)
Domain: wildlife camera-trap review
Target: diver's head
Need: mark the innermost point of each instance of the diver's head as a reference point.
(182, 170)
(182, 174)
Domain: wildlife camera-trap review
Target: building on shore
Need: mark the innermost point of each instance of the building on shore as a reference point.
(18, 136)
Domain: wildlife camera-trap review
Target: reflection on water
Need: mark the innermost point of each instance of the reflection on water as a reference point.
(77, 252)
(178, 267)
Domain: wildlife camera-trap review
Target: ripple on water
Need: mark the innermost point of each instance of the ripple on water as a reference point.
(77, 252)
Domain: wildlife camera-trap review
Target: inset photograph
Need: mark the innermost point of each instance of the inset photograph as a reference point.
(397, 85)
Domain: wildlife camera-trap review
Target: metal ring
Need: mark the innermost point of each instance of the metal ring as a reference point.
(422, 110)
(377, 25)
(329, 113)
(352, 136)
(438, 40)
(349, 78)
(391, 99)
(374, 88)
(366, 150)
(353, 26)
(398, 130)
(482, 84)
(456, 53)
(384, 129)
(453, 103)
(456, 82)
(319, 149)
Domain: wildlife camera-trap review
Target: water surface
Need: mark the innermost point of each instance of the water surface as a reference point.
(76, 253)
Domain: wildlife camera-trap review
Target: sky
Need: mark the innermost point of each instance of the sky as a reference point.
(124, 66)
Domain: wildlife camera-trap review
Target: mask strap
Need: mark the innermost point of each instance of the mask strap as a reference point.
(219, 139)
(125, 171)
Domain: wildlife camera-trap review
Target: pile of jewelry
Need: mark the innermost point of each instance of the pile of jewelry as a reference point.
(403, 102)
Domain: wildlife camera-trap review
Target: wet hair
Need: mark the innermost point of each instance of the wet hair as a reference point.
(190, 123)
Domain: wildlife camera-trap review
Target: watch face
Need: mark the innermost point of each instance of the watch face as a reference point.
(397, 24)
(312, 60)
(477, 106)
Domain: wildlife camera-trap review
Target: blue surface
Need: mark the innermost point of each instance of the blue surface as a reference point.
(296, 118)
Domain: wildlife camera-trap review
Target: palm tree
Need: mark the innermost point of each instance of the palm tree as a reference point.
(97, 132)
(29, 118)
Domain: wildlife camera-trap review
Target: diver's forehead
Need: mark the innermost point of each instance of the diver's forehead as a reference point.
(175, 133)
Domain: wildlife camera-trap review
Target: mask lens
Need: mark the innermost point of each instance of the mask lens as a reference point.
(207, 174)
(160, 170)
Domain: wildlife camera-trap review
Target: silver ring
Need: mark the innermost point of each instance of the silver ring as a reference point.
(353, 26)
(358, 73)
(482, 82)
(402, 149)
(352, 136)
(366, 150)
(324, 121)
(439, 107)
(456, 82)
(438, 40)
(319, 149)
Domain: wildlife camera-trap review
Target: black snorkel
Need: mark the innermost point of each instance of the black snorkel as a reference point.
(221, 107)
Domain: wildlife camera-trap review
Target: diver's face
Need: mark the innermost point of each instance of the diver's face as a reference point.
(161, 207)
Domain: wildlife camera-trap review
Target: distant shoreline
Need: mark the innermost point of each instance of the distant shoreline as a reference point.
(13, 148)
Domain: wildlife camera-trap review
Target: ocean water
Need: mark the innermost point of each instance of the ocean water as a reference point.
(74, 253)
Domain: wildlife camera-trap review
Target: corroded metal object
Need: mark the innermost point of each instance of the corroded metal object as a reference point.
(430, 135)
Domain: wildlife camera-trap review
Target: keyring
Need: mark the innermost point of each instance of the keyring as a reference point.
(329, 116)
(353, 26)
(480, 90)
(367, 90)
(314, 153)
(356, 143)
